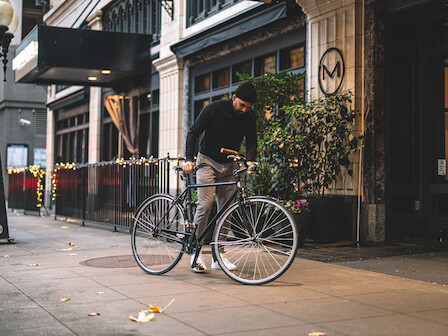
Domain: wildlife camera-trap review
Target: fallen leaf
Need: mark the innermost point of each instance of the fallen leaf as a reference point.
(142, 316)
(6, 256)
(155, 309)
(94, 314)
(64, 299)
(64, 227)
(71, 244)
(33, 265)
(100, 293)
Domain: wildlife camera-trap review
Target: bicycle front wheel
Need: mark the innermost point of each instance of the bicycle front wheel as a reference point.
(260, 238)
(157, 234)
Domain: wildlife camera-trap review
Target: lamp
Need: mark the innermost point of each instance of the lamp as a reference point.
(8, 25)
(9, 21)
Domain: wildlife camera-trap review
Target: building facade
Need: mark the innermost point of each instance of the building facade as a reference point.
(22, 107)
(393, 56)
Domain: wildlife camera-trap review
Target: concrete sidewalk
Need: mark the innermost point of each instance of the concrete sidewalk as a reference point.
(311, 296)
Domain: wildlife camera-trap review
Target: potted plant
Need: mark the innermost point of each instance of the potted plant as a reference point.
(303, 147)
(319, 140)
(301, 212)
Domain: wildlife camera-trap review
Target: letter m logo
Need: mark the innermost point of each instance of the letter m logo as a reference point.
(337, 68)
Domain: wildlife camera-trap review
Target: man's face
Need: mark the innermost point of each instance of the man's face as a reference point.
(240, 105)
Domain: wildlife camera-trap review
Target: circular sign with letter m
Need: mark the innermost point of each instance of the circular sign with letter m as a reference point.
(331, 71)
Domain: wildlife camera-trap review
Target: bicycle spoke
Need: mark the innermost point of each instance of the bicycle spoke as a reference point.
(156, 247)
(263, 254)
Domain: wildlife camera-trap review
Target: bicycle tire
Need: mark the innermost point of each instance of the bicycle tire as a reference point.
(270, 243)
(156, 233)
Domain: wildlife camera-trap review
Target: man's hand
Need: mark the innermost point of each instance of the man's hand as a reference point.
(188, 167)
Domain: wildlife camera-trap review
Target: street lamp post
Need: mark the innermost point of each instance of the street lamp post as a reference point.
(8, 25)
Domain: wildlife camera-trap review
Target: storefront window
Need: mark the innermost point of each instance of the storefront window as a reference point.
(72, 136)
(149, 124)
(202, 83)
(265, 65)
(292, 57)
(198, 10)
(220, 97)
(221, 78)
(199, 105)
(242, 68)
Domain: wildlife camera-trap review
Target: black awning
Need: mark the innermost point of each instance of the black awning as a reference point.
(54, 55)
(235, 26)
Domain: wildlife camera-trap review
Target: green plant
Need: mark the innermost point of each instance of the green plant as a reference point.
(313, 142)
(302, 146)
(273, 92)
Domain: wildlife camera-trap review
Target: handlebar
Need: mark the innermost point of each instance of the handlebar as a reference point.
(251, 165)
(231, 154)
(229, 151)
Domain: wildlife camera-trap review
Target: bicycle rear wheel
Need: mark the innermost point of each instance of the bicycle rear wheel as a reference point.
(156, 240)
(260, 239)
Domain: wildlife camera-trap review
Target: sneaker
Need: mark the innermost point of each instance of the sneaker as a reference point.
(229, 265)
(200, 264)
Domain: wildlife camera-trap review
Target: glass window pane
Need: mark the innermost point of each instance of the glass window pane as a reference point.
(199, 105)
(221, 78)
(155, 97)
(202, 83)
(292, 57)
(243, 68)
(220, 97)
(265, 65)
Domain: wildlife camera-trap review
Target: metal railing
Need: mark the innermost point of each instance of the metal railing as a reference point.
(110, 192)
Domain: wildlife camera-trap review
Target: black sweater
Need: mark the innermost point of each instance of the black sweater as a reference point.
(224, 128)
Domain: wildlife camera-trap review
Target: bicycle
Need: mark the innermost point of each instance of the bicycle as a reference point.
(255, 233)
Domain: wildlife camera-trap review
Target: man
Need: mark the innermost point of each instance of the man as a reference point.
(225, 124)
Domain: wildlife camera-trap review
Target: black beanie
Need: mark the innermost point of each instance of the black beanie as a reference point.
(246, 92)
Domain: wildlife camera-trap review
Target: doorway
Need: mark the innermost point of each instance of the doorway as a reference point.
(417, 109)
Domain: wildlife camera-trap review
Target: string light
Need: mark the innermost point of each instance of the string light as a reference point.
(40, 173)
(37, 173)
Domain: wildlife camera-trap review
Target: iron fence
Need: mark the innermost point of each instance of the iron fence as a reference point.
(25, 190)
(110, 192)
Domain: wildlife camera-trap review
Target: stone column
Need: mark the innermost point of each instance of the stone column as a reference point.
(171, 75)
(50, 149)
(94, 125)
(95, 104)
(374, 205)
(171, 97)
(337, 24)
(50, 157)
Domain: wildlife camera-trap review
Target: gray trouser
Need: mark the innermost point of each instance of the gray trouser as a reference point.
(211, 171)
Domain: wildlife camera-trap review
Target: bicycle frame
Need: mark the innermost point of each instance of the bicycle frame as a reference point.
(190, 247)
